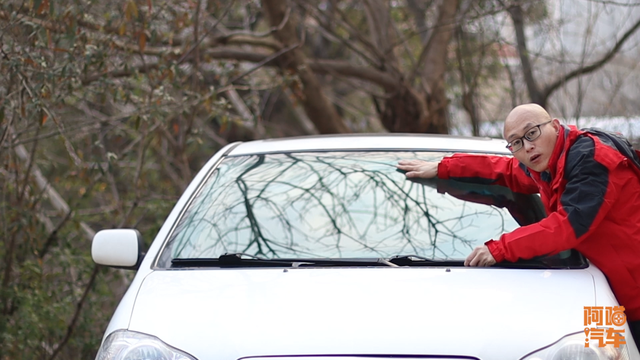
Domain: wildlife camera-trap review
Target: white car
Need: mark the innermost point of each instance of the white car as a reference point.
(317, 248)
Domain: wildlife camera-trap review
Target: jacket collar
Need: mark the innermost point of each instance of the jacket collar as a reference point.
(558, 150)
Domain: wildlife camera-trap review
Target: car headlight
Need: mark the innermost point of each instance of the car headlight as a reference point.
(130, 345)
(571, 347)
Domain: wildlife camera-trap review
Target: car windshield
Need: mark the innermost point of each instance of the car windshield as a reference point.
(340, 205)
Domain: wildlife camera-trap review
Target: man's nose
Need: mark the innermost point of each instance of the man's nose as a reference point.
(528, 145)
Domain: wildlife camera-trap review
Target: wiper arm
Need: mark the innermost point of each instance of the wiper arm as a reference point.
(417, 260)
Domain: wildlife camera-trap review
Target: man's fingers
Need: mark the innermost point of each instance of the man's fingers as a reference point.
(406, 167)
(418, 168)
(480, 256)
(469, 260)
(410, 162)
(411, 171)
(474, 261)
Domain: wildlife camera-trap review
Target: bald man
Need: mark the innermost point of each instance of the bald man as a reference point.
(589, 182)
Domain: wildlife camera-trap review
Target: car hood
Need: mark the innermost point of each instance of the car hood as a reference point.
(489, 313)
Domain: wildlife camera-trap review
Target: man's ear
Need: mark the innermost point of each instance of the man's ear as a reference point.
(556, 125)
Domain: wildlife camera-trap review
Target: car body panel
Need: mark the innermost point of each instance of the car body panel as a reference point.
(427, 311)
(378, 142)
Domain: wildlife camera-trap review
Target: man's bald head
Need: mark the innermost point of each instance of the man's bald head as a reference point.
(525, 114)
(533, 129)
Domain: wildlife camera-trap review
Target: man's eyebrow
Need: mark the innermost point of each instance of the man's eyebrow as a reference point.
(524, 128)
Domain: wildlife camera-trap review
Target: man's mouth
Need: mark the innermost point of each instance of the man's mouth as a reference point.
(534, 158)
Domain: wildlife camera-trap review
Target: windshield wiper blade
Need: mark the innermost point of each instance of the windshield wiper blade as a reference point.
(417, 260)
(239, 260)
(235, 259)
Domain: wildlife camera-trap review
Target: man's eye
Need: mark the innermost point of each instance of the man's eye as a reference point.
(532, 132)
(516, 143)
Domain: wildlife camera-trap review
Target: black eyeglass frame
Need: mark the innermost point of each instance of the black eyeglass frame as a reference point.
(524, 137)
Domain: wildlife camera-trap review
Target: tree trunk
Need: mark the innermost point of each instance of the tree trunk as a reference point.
(433, 67)
(317, 106)
(425, 110)
(535, 95)
(404, 110)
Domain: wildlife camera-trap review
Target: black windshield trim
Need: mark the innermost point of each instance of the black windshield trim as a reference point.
(574, 261)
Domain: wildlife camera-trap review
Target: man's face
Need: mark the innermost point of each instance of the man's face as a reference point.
(537, 153)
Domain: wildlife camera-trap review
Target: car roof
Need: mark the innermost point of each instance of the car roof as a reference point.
(347, 142)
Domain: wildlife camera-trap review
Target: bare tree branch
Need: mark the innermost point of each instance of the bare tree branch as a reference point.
(615, 3)
(53, 232)
(54, 197)
(327, 30)
(376, 57)
(346, 68)
(432, 63)
(418, 10)
(382, 33)
(318, 107)
(515, 11)
(265, 61)
(549, 89)
(541, 96)
(76, 314)
(320, 66)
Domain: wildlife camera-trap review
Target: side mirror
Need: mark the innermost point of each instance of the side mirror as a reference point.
(119, 248)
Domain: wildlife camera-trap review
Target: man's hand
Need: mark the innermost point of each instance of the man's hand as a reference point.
(480, 256)
(419, 168)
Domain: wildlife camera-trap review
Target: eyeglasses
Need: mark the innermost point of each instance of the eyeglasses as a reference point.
(530, 135)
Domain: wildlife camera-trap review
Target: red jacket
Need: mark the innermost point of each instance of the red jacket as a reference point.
(592, 197)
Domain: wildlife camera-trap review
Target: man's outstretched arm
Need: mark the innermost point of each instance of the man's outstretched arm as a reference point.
(481, 169)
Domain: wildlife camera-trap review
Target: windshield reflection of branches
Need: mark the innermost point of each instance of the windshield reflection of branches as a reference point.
(328, 205)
